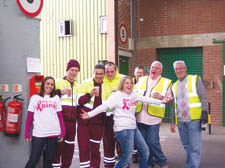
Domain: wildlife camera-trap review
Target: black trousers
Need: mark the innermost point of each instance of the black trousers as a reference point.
(48, 145)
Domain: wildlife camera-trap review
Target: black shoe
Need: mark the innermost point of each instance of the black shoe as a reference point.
(135, 159)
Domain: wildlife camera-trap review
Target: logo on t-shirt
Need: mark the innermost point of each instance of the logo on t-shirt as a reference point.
(45, 104)
(127, 103)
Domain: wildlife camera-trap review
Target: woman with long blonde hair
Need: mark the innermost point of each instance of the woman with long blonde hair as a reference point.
(123, 104)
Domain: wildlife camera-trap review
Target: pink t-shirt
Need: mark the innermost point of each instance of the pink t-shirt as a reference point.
(46, 122)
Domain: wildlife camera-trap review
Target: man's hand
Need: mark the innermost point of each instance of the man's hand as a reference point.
(172, 128)
(157, 95)
(167, 100)
(204, 117)
(94, 92)
(66, 91)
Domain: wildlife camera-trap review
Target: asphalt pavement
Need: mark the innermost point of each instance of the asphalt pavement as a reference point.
(213, 149)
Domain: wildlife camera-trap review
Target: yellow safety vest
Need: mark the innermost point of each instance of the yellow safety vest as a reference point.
(194, 99)
(65, 99)
(87, 86)
(161, 87)
(113, 85)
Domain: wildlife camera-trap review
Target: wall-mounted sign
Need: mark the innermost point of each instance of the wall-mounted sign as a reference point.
(103, 24)
(33, 65)
(4, 87)
(123, 33)
(146, 68)
(17, 88)
(31, 8)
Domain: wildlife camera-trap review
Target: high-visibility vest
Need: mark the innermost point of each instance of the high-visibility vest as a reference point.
(194, 99)
(113, 85)
(161, 87)
(65, 99)
(87, 86)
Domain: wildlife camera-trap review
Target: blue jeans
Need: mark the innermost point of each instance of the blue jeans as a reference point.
(48, 145)
(191, 138)
(127, 139)
(151, 136)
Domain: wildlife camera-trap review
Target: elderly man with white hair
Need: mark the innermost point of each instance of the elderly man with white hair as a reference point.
(189, 110)
(149, 116)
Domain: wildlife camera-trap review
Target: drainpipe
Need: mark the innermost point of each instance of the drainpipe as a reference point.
(116, 33)
(133, 32)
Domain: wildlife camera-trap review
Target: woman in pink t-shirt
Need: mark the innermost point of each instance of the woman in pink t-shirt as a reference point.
(44, 111)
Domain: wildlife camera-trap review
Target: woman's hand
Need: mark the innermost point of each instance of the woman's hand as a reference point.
(84, 116)
(28, 139)
(60, 139)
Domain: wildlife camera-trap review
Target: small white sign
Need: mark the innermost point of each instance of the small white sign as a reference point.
(224, 70)
(33, 64)
(103, 24)
(17, 88)
(4, 87)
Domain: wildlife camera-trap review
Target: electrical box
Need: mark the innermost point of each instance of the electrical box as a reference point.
(35, 84)
(65, 28)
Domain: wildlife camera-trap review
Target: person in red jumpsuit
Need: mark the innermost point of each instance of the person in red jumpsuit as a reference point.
(89, 132)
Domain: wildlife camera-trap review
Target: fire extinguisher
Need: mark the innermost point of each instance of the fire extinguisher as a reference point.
(2, 112)
(13, 115)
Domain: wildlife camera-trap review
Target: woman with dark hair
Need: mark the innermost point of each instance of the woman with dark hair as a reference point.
(44, 111)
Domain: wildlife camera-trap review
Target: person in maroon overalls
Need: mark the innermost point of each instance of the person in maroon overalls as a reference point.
(112, 79)
(89, 132)
(67, 89)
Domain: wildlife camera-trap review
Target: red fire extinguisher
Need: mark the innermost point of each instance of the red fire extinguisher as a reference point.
(13, 115)
(2, 112)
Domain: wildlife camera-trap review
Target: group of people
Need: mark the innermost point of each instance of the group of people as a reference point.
(113, 107)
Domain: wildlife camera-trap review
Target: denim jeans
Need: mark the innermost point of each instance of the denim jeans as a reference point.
(127, 138)
(47, 144)
(191, 138)
(151, 136)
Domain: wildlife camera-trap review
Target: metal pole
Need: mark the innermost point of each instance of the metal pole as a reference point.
(209, 117)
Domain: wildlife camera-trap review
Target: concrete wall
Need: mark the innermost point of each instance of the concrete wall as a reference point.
(19, 39)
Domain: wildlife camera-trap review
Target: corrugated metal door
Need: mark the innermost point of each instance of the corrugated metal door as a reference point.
(192, 57)
(124, 65)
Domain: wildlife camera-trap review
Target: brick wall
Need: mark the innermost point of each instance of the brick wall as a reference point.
(166, 17)
(185, 17)
(146, 57)
(124, 17)
(212, 70)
